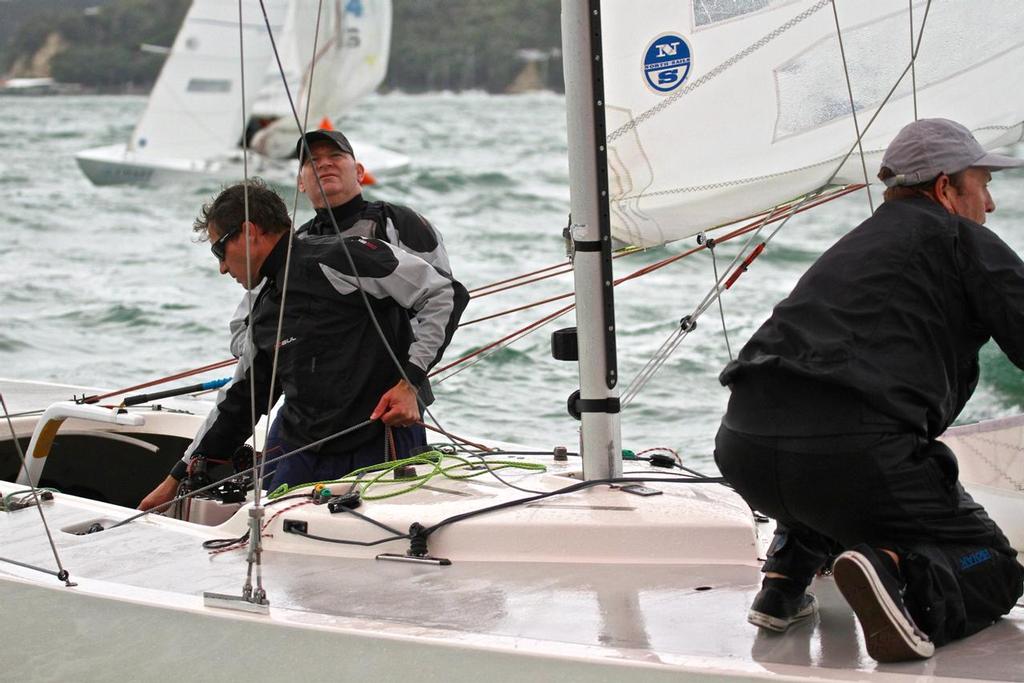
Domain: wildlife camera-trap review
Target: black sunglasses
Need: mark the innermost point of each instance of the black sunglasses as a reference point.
(218, 247)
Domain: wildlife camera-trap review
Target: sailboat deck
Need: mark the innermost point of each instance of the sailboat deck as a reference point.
(611, 621)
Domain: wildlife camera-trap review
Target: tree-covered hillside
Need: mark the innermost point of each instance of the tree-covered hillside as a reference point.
(436, 44)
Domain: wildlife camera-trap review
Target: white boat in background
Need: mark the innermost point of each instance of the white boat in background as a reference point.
(193, 127)
(683, 116)
(35, 86)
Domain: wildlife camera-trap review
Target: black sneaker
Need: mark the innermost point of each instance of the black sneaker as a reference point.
(775, 610)
(873, 592)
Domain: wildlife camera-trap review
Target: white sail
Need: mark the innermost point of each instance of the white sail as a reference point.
(195, 108)
(717, 110)
(354, 40)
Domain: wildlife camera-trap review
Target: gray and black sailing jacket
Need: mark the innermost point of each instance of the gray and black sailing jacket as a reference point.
(393, 223)
(893, 315)
(332, 366)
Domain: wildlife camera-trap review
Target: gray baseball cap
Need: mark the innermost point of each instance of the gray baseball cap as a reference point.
(927, 148)
(333, 136)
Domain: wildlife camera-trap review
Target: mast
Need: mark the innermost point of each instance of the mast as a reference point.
(590, 231)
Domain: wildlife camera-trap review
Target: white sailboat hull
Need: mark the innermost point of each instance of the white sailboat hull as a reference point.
(117, 165)
(595, 585)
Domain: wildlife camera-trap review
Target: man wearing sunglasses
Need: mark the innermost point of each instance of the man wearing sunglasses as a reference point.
(335, 368)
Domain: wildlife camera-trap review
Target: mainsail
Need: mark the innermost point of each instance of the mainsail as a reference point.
(354, 39)
(195, 109)
(720, 109)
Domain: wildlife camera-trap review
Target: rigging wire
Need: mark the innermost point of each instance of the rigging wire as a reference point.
(668, 260)
(249, 470)
(161, 380)
(686, 325)
(481, 353)
(62, 573)
(688, 322)
(913, 68)
(885, 100)
(721, 308)
(853, 108)
(334, 223)
(482, 290)
(246, 226)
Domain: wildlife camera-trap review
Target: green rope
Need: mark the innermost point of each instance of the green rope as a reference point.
(433, 459)
(5, 504)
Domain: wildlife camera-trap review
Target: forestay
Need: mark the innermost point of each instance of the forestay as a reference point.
(195, 109)
(720, 109)
(354, 40)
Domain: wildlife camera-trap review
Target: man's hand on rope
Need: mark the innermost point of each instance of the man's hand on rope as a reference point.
(398, 407)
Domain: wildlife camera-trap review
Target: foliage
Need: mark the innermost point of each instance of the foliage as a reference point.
(436, 44)
(105, 66)
(104, 48)
(103, 43)
(461, 44)
(14, 14)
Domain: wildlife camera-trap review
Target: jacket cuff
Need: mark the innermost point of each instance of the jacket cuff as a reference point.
(180, 470)
(416, 375)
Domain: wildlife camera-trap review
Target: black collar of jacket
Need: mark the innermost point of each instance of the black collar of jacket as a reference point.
(274, 263)
(342, 212)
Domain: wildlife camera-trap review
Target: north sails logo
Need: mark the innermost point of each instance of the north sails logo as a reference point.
(666, 63)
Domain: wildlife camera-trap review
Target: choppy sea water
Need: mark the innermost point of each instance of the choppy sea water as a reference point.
(105, 286)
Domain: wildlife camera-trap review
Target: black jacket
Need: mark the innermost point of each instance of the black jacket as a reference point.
(893, 315)
(332, 366)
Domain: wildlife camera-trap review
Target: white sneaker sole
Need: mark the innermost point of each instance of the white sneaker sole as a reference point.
(767, 621)
(889, 635)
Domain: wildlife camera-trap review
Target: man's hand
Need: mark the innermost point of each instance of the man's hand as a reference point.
(159, 496)
(398, 407)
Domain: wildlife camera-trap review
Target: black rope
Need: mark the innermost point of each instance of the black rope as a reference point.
(418, 534)
(572, 488)
(221, 543)
(342, 541)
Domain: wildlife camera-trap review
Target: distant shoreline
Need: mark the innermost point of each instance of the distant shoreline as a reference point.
(136, 91)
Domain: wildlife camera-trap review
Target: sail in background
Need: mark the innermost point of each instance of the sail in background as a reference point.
(354, 40)
(195, 108)
(719, 109)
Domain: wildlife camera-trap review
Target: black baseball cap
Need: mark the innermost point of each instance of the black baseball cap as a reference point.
(333, 136)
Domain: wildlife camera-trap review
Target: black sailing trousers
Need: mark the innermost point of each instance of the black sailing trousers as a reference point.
(890, 490)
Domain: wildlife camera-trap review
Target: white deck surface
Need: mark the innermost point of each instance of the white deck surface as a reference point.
(679, 618)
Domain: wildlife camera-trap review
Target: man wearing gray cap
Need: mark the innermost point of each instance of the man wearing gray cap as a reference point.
(838, 399)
